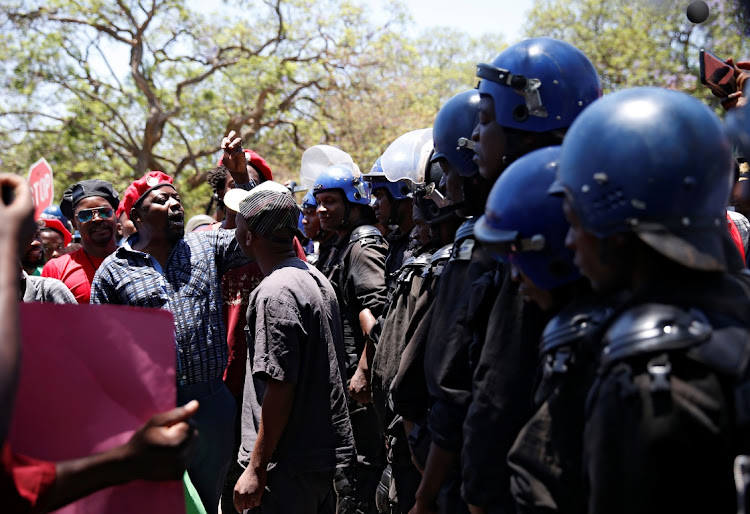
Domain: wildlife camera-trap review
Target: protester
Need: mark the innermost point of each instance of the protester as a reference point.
(32, 259)
(356, 269)
(295, 367)
(199, 222)
(236, 286)
(664, 420)
(54, 237)
(157, 451)
(44, 290)
(91, 205)
(161, 267)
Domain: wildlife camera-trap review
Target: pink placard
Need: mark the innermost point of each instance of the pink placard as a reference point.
(90, 376)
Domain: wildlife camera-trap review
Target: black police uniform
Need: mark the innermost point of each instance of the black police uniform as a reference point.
(398, 243)
(402, 300)
(502, 397)
(545, 460)
(324, 252)
(408, 390)
(451, 342)
(670, 408)
(355, 267)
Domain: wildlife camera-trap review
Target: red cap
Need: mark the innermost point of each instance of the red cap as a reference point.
(139, 188)
(257, 162)
(57, 225)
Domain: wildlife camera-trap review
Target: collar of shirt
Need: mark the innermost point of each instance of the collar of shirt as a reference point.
(127, 247)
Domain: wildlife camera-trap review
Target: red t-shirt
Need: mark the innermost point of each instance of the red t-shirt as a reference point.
(75, 270)
(236, 286)
(736, 237)
(23, 481)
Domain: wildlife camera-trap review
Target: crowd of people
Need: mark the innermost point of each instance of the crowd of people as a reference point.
(540, 304)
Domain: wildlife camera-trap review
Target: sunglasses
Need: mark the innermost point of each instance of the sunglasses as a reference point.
(86, 215)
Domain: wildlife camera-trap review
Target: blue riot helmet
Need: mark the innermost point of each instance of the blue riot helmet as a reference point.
(521, 219)
(539, 84)
(656, 163)
(351, 185)
(452, 132)
(54, 212)
(308, 201)
(355, 189)
(399, 190)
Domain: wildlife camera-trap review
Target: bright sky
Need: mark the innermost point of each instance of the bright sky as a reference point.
(473, 16)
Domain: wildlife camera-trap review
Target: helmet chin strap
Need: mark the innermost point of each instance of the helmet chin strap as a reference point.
(347, 214)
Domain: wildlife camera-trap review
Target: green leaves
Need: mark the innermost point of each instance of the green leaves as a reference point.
(113, 89)
(642, 43)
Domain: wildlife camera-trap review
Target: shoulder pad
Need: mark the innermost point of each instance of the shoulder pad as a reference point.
(653, 327)
(366, 234)
(410, 267)
(442, 254)
(422, 259)
(438, 261)
(408, 262)
(462, 250)
(572, 325)
(416, 262)
(465, 230)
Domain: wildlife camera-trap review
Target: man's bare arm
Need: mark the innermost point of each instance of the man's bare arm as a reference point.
(16, 222)
(159, 450)
(275, 411)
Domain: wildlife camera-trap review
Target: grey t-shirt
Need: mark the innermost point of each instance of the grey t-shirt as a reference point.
(294, 335)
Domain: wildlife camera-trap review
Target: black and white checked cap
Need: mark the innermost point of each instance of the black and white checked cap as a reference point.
(266, 208)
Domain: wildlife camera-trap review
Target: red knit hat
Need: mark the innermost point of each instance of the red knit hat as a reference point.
(140, 188)
(256, 161)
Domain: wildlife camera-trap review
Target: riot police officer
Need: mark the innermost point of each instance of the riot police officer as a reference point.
(407, 158)
(523, 224)
(392, 203)
(668, 413)
(356, 268)
(323, 240)
(447, 340)
(530, 95)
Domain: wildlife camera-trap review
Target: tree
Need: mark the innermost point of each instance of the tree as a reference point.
(642, 42)
(137, 85)
(114, 88)
(404, 92)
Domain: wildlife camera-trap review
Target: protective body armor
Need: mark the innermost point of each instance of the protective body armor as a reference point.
(404, 478)
(356, 485)
(463, 243)
(672, 390)
(546, 457)
(336, 269)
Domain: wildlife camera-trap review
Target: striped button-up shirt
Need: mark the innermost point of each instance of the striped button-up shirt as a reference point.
(189, 286)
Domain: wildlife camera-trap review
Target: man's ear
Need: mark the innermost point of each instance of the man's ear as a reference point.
(134, 215)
